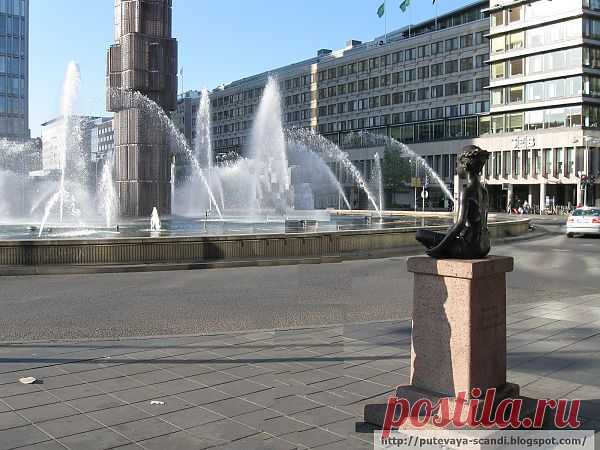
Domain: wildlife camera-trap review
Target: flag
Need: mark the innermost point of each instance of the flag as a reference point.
(381, 10)
(405, 4)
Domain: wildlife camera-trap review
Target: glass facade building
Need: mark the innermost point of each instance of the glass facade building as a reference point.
(14, 70)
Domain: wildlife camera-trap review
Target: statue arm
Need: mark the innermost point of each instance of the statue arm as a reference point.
(454, 231)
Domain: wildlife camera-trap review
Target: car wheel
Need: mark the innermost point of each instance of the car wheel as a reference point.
(569, 235)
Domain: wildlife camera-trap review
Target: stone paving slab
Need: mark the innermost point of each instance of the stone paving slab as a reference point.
(277, 389)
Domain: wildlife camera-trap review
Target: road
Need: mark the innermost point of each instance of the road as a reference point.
(204, 301)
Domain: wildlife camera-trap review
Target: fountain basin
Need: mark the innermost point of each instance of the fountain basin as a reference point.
(160, 249)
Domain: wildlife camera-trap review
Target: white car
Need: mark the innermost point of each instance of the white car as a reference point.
(584, 220)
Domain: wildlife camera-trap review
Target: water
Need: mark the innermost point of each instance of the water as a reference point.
(71, 163)
(392, 144)
(173, 176)
(154, 111)
(332, 152)
(377, 180)
(107, 193)
(155, 221)
(282, 176)
(276, 176)
(271, 182)
(310, 167)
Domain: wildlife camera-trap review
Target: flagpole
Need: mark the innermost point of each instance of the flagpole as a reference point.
(409, 18)
(385, 19)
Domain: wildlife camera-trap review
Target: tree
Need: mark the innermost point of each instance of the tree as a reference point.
(397, 170)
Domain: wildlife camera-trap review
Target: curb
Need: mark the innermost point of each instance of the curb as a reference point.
(223, 264)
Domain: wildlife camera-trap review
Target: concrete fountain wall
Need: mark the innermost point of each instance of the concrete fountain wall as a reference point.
(156, 250)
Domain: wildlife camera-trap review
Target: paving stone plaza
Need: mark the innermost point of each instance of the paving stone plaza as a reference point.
(286, 389)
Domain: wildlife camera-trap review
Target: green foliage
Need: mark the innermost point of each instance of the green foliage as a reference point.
(397, 171)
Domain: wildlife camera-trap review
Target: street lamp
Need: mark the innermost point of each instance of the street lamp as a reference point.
(586, 180)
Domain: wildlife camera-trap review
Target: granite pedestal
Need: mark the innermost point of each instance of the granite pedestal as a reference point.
(458, 331)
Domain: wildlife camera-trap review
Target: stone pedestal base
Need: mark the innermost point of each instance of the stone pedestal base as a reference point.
(458, 331)
(375, 413)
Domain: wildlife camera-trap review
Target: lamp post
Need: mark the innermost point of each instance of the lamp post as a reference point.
(586, 179)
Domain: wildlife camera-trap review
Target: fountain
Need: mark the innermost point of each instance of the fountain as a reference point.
(268, 151)
(280, 179)
(155, 221)
(152, 109)
(108, 196)
(377, 180)
(71, 164)
(332, 152)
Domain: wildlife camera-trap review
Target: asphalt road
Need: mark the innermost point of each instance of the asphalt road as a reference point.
(204, 301)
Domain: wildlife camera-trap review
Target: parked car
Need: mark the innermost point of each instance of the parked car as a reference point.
(584, 220)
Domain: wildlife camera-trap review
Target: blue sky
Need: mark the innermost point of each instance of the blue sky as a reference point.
(218, 41)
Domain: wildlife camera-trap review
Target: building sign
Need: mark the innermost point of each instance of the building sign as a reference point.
(415, 182)
(523, 142)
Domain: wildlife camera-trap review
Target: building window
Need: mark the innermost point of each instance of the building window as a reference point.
(466, 64)
(498, 71)
(466, 41)
(437, 91)
(437, 69)
(451, 89)
(437, 48)
(497, 18)
(451, 44)
(451, 66)
(517, 67)
(466, 86)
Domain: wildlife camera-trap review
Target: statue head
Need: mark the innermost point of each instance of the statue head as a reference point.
(471, 161)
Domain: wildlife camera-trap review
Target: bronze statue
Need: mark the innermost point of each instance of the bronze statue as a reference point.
(469, 237)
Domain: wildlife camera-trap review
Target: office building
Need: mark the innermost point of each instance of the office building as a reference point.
(545, 97)
(421, 84)
(14, 69)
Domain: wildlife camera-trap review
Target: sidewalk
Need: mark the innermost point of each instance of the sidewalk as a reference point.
(287, 389)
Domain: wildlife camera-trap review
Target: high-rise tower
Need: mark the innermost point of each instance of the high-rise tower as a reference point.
(14, 71)
(143, 59)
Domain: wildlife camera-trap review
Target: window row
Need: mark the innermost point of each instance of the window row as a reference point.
(533, 120)
(536, 162)
(12, 126)
(464, 109)
(14, 65)
(12, 25)
(14, 7)
(12, 45)
(410, 133)
(546, 90)
(12, 86)
(250, 94)
(538, 64)
(540, 36)
(12, 105)
(393, 79)
(410, 54)
(532, 11)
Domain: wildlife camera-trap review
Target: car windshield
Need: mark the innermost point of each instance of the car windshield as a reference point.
(587, 212)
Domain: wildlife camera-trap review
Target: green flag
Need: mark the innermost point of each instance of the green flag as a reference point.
(381, 10)
(404, 5)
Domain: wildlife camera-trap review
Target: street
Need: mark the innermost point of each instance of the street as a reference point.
(207, 301)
